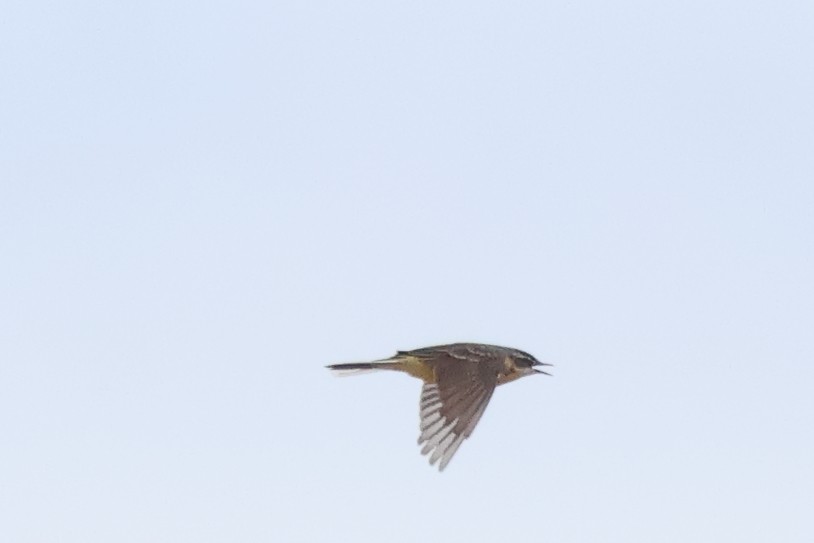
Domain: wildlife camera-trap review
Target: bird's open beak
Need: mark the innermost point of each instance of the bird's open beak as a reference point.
(538, 363)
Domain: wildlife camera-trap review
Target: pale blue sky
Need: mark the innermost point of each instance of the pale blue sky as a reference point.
(202, 204)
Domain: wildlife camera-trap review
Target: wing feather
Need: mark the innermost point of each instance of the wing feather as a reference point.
(452, 406)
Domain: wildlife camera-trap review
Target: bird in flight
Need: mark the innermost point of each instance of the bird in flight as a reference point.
(459, 380)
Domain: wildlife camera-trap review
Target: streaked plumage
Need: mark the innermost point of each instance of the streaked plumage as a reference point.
(459, 380)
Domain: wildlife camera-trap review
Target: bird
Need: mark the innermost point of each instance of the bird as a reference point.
(459, 379)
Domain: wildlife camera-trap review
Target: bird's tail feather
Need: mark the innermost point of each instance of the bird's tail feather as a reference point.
(356, 368)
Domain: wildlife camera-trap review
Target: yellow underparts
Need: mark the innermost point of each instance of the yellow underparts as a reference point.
(415, 367)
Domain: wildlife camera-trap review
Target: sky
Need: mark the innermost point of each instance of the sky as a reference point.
(204, 203)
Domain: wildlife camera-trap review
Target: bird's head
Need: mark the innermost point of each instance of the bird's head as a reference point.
(527, 363)
(519, 364)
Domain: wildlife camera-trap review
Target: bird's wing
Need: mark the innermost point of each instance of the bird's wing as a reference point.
(452, 406)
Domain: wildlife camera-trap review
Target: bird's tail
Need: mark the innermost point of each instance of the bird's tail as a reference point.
(355, 368)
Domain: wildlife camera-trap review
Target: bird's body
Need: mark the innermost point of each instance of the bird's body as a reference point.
(459, 380)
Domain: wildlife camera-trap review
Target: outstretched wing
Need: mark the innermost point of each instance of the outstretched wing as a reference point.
(452, 406)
